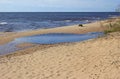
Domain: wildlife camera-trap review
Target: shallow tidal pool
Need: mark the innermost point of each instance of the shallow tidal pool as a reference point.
(51, 38)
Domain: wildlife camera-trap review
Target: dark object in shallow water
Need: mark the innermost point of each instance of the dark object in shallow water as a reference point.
(80, 25)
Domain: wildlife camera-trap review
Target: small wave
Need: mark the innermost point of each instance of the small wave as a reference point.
(3, 23)
(86, 20)
(67, 20)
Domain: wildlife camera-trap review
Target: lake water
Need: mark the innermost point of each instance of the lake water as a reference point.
(52, 38)
(23, 21)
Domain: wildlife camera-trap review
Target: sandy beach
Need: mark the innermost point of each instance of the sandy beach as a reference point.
(91, 27)
(93, 59)
(97, 26)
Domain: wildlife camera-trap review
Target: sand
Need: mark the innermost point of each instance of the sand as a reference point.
(98, 26)
(91, 27)
(93, 59)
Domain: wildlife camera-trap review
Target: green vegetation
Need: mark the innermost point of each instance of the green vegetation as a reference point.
(113, 27)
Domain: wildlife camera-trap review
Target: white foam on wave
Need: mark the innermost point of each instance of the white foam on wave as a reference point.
(3, 23)
(67, 20)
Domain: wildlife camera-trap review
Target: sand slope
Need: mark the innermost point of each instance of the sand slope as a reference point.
(93, 59)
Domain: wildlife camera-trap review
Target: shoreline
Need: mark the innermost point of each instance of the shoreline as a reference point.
(6, 37)
(97, 58)
(98, 26)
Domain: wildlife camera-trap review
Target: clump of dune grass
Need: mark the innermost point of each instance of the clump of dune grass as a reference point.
(113, 27)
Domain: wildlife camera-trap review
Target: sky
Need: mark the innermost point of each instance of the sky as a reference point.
(58, 5)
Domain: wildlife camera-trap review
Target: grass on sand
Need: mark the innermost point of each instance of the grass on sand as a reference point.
(113, 27)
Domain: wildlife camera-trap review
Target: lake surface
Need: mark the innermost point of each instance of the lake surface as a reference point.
(23, 21)
(52, 38)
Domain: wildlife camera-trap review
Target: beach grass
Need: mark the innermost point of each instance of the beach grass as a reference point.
(113, 27)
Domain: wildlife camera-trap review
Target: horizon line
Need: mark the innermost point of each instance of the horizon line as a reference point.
(57, 11)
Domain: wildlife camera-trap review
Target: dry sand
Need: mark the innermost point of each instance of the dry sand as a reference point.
(93, 59)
